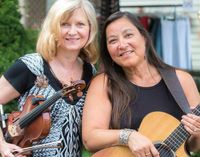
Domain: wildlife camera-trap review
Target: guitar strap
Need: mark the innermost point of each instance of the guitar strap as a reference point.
(171, 80)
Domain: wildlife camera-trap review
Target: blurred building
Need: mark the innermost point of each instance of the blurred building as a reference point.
(174, 8)
(34, 11)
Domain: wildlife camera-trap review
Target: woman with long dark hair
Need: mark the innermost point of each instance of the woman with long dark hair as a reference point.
(130, 88)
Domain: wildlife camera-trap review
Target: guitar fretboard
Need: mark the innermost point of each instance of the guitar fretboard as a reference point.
(179, 135)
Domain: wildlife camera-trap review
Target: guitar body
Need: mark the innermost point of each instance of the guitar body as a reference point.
(157, 126)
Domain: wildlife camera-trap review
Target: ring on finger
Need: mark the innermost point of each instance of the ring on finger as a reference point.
(196, 130)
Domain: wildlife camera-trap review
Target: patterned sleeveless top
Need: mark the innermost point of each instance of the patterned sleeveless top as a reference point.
(65, 117)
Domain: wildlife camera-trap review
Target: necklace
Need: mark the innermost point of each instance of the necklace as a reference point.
(61, 82)
(66, 76)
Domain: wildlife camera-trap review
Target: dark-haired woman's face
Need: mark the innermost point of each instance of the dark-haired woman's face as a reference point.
(125, 43)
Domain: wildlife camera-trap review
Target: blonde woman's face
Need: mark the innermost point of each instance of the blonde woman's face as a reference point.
(74, 32)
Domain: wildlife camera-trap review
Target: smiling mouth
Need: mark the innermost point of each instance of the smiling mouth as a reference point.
(125, 53)
(72, 39)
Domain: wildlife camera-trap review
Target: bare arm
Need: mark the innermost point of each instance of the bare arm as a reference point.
(191, 122)
(189, 88)
(96, 120)
(96, 117)
(7, 94)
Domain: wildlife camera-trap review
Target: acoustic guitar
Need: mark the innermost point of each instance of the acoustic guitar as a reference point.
(165, 131)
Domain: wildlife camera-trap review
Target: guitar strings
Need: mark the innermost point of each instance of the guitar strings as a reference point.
(162, 147)
(196, 112)
(170, 139)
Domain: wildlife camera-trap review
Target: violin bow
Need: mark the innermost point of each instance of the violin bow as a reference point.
(56, 144)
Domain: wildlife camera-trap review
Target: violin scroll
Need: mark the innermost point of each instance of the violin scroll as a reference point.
(75, 87)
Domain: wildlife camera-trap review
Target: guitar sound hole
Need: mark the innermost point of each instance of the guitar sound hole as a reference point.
(164, 150)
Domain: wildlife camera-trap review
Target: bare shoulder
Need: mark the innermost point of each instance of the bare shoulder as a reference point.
(97, 91)
(100, 77)
(189, 87)
(100, 80)
(184, 76)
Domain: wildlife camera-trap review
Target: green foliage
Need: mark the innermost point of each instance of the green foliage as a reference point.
(15, 40)
(195, 154)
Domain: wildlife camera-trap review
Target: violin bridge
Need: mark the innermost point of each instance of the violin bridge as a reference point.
(13, 130)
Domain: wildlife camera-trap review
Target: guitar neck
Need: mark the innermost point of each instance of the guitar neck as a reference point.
(180, 134)
(29, 117)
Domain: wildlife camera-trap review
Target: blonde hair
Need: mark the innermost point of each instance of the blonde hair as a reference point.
(60, 10)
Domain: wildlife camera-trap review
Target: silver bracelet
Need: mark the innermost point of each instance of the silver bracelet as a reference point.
(124, 136)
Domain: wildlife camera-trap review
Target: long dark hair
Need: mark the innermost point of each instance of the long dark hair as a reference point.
(119, 91)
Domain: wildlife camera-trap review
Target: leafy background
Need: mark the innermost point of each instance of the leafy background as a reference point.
(15, 40)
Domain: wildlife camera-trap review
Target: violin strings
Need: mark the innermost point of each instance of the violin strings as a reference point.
(36, 111)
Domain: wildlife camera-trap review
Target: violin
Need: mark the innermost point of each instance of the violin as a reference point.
(33, 122)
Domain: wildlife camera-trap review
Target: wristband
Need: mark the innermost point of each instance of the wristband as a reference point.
(124, 136)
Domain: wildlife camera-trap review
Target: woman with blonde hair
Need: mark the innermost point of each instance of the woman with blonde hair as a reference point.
(66, 51)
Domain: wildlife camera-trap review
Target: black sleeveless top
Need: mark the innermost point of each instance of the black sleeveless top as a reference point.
(150, 99)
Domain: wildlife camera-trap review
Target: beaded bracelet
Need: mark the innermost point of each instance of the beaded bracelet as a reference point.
(124, 136)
